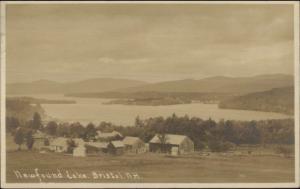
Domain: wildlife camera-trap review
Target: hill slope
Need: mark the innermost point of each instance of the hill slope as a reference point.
(279, 100)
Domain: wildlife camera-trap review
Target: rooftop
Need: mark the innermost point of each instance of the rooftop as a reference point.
(170, 139)
(117, 143)
(129, 140)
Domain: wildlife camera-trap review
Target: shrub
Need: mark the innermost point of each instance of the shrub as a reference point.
(286, 151)
(219, 146)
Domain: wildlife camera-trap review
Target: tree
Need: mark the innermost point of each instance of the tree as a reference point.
(163, 141)
(90, 131)
(250, 134)
(11, 124)
(36, 122)
(19, 137)
(63, 130)
(51, 128)
(138, 122)
(77, 130)
(71, 145)
(29, 140)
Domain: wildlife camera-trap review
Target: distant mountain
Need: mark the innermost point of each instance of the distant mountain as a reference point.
(219, 84)
(279, 100)
(90, 85)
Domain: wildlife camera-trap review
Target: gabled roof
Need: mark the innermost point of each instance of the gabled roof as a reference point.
(117, 143)
(129, 140)
(39, 134)
(60, 141)
(170, 139)
(97, 144)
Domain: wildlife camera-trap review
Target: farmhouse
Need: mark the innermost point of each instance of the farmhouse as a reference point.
(41, 140)
(115, 147)
(96, 147)
(134, 145)
(103, 136)
(59, 144)
(169, 142)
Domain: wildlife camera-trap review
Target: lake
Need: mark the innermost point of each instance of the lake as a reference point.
(93, 110)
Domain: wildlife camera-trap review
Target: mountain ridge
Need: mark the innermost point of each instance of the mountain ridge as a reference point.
(219, 84)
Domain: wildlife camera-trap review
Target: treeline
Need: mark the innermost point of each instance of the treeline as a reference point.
(279, 100)
(215, 135)
(208, 133)
(22, 109)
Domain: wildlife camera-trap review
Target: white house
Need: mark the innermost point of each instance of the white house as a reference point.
(59, 144)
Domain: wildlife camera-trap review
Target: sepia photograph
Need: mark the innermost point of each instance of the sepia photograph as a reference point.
(149, 94)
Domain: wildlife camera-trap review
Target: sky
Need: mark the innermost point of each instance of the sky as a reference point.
(149, 42)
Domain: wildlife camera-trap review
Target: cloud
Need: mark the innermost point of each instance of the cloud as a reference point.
(147, 41)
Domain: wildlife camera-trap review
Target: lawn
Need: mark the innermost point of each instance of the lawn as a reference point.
(151, 168)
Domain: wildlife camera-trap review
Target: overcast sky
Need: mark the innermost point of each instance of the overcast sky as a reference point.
(147, 42)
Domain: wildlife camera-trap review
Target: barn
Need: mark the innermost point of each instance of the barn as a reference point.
(115, 147)
(171, 142)
(134, 145)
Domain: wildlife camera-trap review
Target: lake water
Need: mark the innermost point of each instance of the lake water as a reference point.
(93, 110)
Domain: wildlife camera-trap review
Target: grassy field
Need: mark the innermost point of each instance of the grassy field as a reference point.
(150, 167)
(153, 167)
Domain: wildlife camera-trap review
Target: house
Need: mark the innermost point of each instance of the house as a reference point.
(134, 145)
(165, 144)
(79, 151)
(115, 147)
(96, 147)
(40, 139)
(105, 136)
(59, 144)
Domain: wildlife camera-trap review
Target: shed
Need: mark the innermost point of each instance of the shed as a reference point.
(96, 147)
(115, 147)
(134, 145)
(79, 151)
(185, 144)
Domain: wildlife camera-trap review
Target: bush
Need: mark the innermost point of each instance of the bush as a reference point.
(286, 151)
(220, 146)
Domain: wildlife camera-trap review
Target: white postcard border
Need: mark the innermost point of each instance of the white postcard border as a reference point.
(149, 185)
